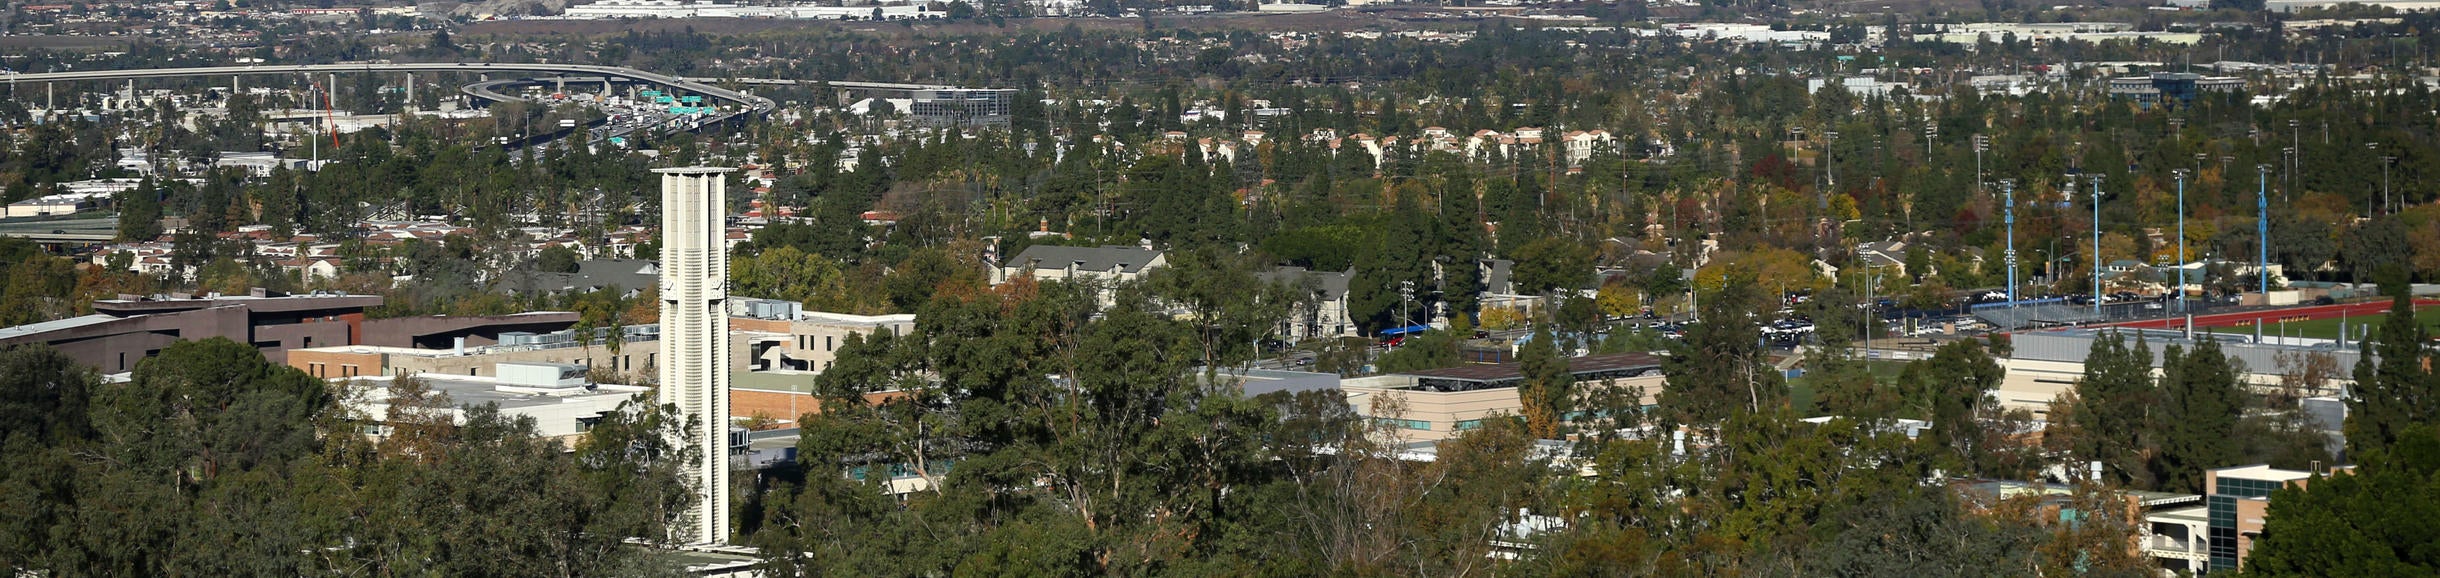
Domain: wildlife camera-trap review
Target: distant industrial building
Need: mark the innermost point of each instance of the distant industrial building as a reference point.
(642, 9)
(962, 106)
(2182, 87)
(57, 205)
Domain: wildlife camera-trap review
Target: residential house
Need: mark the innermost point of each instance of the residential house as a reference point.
(1107, 266)
(1887, 257)
(627, 277)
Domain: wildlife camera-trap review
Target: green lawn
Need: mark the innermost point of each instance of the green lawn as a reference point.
(1800, 389)
(2328, 328)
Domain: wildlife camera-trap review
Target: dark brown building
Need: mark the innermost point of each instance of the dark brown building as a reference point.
(447, 331)
(121, 332)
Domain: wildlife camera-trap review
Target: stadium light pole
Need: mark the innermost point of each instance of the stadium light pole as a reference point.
(2375, 148)
(2181, 239)
(2096, 178)
(2262, 230)
(2387, 160)
(1980, 142)
(2007, 189)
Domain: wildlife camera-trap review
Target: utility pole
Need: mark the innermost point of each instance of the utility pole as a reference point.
(2387, 206)
(1868, 303)
(2288, 156)
(1980, 142)
(1829, 164)
(2387, 160)
(2181, 240)
(2262, 230)
(2295, 150)
(2097, 245)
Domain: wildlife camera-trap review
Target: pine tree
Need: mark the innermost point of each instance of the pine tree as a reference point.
(2111, 403)
(2394, 388)
(140, 212)
(2201, 402)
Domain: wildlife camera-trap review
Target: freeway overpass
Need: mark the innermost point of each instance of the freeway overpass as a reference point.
(844, 84)
(62, 233)
(753, 104)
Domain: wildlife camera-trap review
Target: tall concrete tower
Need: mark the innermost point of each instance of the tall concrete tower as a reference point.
(694, 342)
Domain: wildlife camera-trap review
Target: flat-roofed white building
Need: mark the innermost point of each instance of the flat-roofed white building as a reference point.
(562, 403)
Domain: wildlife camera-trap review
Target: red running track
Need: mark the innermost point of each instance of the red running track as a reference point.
(2352, 310)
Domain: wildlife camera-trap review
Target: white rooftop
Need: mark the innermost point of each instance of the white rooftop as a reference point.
(849, 319)
(2263, 472)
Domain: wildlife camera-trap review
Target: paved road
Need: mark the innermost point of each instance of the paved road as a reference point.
(68, 231)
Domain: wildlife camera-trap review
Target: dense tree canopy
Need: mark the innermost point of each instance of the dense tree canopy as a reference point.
(213, 460)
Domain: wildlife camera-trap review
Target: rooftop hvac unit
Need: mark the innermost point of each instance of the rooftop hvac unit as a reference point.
(541, 375)
(772, 309)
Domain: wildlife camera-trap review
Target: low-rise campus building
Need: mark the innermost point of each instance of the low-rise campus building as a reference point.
(1436, 404)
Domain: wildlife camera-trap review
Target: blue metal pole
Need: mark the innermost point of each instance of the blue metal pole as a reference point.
(2262, 231)
(2008, 204)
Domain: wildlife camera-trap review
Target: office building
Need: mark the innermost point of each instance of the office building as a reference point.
(785, 347)
(2236, 504)
(124, 331)
(628, 350)
(2182, 87)
(962, 106)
